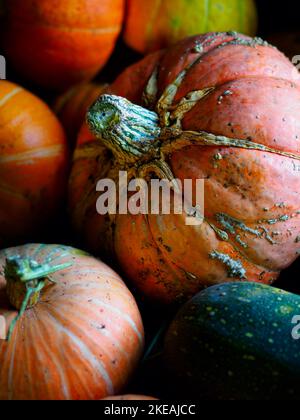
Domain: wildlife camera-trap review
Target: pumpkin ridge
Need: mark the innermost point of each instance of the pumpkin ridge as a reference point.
(237, 40)
(96, 30)
(41, 329)
(151, 22)
(161, 248)
(108, 335)
(83, 349)
(10, 95)
(38, 153)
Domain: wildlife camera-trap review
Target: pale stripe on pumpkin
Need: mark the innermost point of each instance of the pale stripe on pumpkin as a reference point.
(10, 95)
(88, 356)
(28, 157)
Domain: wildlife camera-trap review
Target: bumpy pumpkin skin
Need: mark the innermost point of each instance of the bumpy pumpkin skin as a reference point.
(155, 24)
(34, 161)
(252, 198)
(234, 342)
(60, 43)
(83, 338)
(72, 106)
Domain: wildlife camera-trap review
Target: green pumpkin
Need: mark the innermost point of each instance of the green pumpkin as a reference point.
(237, 341)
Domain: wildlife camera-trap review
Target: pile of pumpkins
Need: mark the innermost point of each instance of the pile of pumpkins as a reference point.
(221, 106)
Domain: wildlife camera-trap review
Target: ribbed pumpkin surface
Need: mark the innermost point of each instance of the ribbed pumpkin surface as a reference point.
(33, 163)
(60, 43)
(83, 338)
(251, 172)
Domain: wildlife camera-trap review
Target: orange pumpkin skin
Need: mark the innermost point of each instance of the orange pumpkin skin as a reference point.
(252, 198)
(129, 398)
(81, 341)
(63, 42)
(72, 107)
(33, 163)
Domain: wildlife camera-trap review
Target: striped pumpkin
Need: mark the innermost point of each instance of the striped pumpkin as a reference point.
(60, 43)
(79, 338)
(71, 107)
(33, 163)
(155, 24)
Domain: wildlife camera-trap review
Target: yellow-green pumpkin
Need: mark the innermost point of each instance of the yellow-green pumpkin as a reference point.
(155, 24)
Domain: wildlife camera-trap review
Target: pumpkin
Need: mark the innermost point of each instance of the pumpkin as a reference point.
(78, 334)
(236, 341)
(154, 24)
(222, 108)
(129, 397)
(72, 106)
(60, 43)
(33, 164)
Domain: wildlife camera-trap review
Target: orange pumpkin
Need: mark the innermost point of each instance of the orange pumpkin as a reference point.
(155, 24)
(33, 163)
(223, 108)
(79, 334)
(71, 107)
(60, 43)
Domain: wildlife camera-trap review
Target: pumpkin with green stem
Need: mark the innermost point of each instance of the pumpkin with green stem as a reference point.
(220, 107)
(73, 330)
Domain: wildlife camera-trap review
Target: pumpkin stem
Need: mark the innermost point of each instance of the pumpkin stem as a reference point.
(130, 131)
(25, 279)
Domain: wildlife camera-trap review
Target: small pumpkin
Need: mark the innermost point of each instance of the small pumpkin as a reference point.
(155, 24)
(33, 163)
(60, 43)
(78, 334)
(222, 108)
(72, 106)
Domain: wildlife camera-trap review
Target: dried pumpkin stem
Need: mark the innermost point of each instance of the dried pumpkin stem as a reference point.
(140, 138)
(25, 280)
(130, 131)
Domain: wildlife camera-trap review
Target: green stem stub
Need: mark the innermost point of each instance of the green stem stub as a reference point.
(128, 130)
(25, 279)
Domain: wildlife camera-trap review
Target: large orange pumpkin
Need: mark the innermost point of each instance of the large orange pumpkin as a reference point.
(155, 24)
(220, 107)
(80, 334)
(33, 163)
(59, 43)
(72, 106)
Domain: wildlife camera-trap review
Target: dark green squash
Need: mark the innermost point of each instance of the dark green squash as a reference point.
(234, 341)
